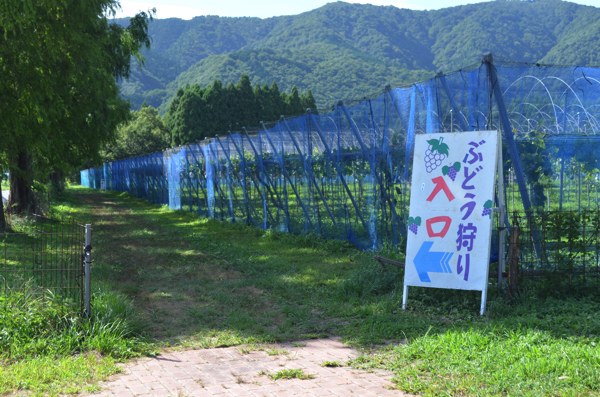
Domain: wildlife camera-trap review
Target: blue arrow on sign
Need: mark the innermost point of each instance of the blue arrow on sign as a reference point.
(434, 262)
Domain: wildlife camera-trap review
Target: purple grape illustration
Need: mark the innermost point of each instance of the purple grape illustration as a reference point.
(487, 209)
(435, 154)
(451, 170)
(414, 223)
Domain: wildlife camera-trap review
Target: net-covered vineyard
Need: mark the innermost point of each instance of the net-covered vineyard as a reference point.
(345, 172)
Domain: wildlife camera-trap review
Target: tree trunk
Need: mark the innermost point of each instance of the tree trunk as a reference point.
(22, 197)
(56, 178)
(2, 219)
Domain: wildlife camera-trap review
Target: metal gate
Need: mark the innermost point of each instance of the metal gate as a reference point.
(46, 257)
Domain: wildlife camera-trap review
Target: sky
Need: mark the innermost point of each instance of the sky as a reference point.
(187, 9)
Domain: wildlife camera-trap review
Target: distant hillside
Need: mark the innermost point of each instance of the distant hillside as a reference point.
(347, 51)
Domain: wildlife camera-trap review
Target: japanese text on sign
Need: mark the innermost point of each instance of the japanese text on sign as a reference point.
(453, 193)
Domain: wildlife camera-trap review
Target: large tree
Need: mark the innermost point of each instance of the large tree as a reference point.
(186, 124)
(145, 133)
(216, 110)
(293, 104)
(246, 108)
(59, 99)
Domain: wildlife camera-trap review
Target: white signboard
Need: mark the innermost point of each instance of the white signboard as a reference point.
(103, 184)
(451, 209)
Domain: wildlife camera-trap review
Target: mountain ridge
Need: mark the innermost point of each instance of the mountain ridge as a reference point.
(343, 50)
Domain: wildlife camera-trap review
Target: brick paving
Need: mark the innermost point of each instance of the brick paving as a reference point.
(227, 372)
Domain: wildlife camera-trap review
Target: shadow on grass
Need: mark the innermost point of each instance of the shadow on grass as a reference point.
(204, 283)
(213, 283)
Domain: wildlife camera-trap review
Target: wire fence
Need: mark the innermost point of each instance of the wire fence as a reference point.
(44, 256)
(560, 250)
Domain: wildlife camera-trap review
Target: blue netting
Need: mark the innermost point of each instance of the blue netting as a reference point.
(345, 172)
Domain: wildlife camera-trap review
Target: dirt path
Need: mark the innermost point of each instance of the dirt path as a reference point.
(232, 371)
(150, 262)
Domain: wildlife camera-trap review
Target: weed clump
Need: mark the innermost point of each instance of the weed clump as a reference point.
(46, 336)
(290, 374)
(34, 325)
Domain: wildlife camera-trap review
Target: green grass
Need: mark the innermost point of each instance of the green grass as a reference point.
(203, 283)
(47, 349)
(47, 375)
(492, 360)
(276, 352)
(288, 373)
(528, 347)
(331, 364)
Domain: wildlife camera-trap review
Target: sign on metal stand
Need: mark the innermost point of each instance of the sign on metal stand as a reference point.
(451, 211)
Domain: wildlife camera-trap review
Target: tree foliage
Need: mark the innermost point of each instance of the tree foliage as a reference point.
(144, 133)
(59, 101)
(196, 113)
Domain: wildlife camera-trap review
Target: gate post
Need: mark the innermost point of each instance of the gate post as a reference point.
(88, 269)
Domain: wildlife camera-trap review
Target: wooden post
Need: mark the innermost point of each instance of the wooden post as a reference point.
(513, 262)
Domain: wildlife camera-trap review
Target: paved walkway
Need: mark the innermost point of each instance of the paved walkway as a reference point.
(234, 372)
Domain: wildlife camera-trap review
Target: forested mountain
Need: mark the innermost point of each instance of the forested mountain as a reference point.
(347, 51)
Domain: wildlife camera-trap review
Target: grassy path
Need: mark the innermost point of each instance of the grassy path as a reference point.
(206, 283)
(202, 283)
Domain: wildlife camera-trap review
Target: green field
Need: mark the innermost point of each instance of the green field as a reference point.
(199, 283)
